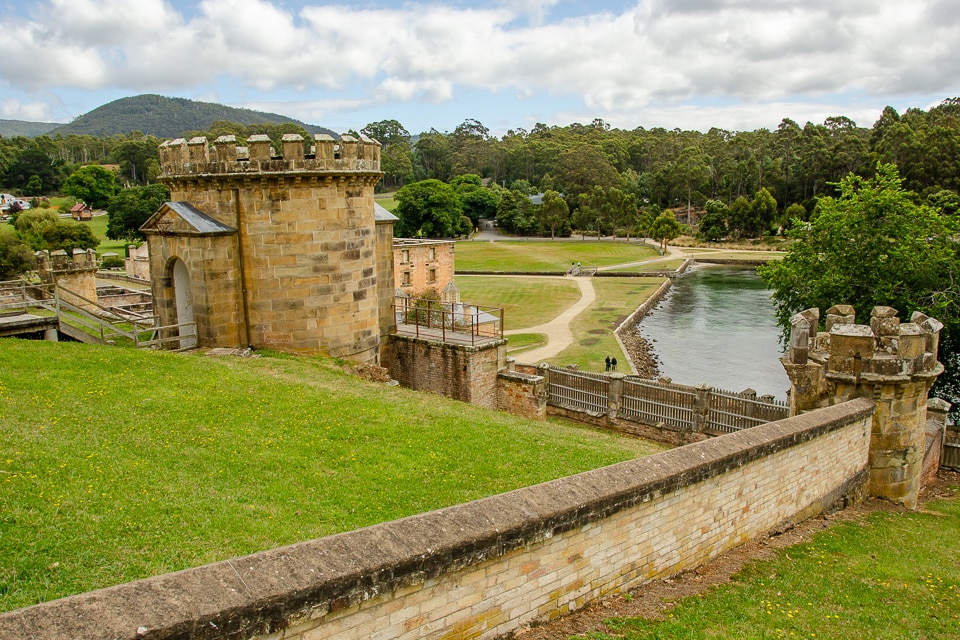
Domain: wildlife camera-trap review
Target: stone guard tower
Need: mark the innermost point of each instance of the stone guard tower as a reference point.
(278, 252)
(891, 363)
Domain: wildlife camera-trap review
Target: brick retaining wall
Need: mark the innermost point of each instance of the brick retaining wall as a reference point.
(485, 568)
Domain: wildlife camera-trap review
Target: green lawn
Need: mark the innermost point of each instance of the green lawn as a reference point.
(119, 464)
(593, 329)
(99, 226)
(894, 576)
(520, 342)
(526, 302)
(545, 255)
(660, 265)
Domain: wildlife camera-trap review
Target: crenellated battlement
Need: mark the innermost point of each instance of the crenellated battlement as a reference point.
(224, 156)
(59, 260)
(892, 363)
(886, 350)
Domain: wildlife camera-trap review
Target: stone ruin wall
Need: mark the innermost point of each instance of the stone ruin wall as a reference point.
(890, 362)
(307, 233)
(76, 273)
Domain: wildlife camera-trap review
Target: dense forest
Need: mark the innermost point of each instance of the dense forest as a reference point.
(788, 168)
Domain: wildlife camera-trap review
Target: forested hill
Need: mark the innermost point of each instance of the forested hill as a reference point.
(166, 118)
(13, 128)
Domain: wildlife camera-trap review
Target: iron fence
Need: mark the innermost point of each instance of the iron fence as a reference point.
(448, 321)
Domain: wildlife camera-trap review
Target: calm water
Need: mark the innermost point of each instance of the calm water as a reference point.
(716, 325)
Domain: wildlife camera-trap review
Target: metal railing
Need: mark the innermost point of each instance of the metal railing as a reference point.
(448, 322)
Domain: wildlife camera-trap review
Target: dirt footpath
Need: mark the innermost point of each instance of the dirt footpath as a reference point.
(652, 600)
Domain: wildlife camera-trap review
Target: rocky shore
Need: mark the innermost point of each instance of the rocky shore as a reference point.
(641, 352)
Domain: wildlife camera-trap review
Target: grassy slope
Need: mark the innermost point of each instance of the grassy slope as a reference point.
(526, 256)
(119, 464)
(894, 576)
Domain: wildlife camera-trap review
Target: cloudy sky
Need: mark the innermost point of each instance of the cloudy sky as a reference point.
(692, 64)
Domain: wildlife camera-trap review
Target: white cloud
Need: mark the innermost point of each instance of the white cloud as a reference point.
(655, 55)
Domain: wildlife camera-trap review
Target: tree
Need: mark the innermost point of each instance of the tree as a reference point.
(427, 209)
(130, 208)
(763, 210)
(595, 212)
(872, 245)
(584, 167)
(664, 229)
(31, 224)
(713, 224)
(742, 221)
(69, 235)
(92, 184)
(38, 158)
(16, 257)
(554, 212)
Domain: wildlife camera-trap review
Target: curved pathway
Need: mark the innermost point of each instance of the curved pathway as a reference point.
(558, 333)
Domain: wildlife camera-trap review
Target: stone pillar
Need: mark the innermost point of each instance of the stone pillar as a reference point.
(701, 410)
(614, 394)
(886, 361)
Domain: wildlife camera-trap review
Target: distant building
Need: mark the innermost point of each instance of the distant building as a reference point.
(420, 265)
(81, 212)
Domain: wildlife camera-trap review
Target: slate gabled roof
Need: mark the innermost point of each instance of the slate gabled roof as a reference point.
(182, 218)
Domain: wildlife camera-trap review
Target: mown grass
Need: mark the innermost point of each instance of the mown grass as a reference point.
(895, 575)
(660, 265)
(520, 342)
(593, 329)
(526, 256)
(98, 224)
(119, 464)
(526, 302)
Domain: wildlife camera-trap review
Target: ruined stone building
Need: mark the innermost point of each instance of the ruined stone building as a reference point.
(274, 252)
(420, 265)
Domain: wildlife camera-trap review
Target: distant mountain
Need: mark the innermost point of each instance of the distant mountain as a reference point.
(11, 128)
(166, 117)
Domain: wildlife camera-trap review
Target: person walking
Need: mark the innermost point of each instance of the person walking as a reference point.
(607, 362)
(613, 364)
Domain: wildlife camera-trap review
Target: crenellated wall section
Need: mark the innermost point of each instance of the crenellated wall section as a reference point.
(298, 229)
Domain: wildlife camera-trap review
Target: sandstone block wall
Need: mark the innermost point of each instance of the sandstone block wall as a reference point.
(463, 372)
(214, 282)
(890, 362)
(305, 227)
(485, 568)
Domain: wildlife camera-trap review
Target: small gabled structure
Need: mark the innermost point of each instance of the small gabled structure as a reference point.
(81, 212)
(184, 241)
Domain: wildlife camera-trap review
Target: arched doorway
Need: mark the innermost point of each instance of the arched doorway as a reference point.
(184, 301)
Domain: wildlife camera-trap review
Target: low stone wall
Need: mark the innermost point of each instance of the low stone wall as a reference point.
(635, 317)
(462, 372)
(522, 394)
(486, 568)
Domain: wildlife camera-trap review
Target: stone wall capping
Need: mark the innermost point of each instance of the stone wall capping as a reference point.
(261, 593)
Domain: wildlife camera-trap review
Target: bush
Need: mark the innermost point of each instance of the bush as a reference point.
(112, 262)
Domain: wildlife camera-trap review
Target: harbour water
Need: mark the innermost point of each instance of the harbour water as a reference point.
(716, 326)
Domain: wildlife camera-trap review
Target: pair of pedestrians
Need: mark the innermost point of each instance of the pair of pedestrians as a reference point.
(611, 364)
